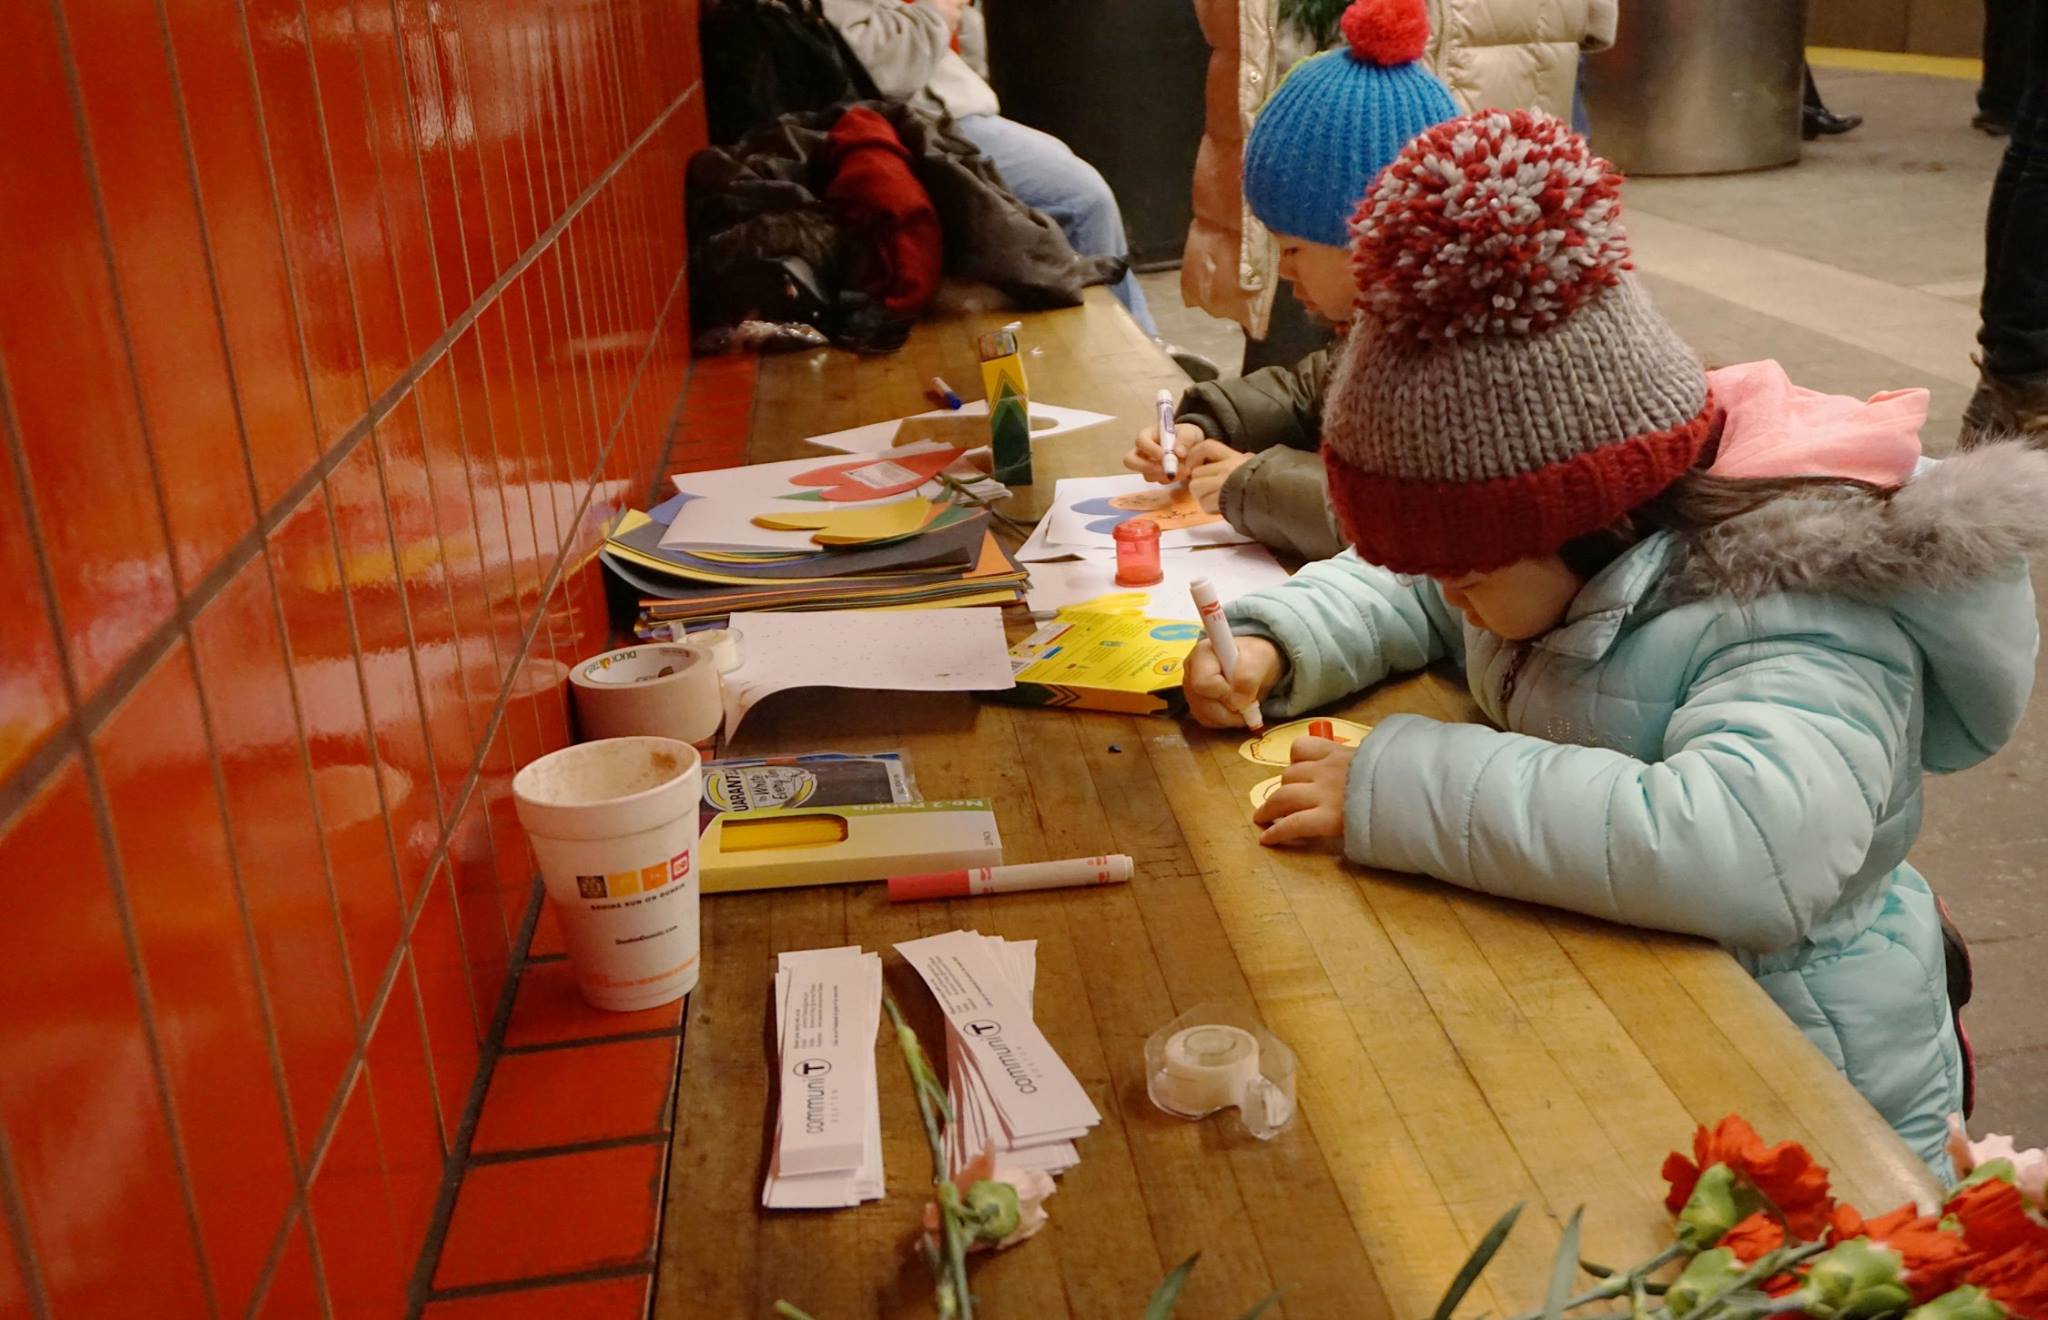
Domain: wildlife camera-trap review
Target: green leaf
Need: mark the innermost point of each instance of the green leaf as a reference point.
(1562, 1269)
(1481, 1256)
(1162, 1303)
(1260, 1309)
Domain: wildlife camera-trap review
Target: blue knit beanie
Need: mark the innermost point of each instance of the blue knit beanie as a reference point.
(1339, 119)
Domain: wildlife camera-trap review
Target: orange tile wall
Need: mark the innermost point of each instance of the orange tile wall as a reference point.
(331, 332)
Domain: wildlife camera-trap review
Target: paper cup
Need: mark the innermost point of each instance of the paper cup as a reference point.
(614, 825)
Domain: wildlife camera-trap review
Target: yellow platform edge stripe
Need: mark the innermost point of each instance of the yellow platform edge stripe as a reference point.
(1892, 61)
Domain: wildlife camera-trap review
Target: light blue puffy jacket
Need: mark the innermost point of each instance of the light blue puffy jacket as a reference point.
(1749, 772)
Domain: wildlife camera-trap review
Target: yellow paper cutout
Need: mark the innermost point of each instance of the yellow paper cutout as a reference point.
(1276, 745)
(858, 524)
(1263, 790)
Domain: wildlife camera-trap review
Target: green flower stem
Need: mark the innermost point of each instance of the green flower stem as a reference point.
(1616, 1285)
(789, 1312)
(952, 1298)
(1768, 1266)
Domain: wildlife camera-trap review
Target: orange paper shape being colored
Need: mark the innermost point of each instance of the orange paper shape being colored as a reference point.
(876, 478)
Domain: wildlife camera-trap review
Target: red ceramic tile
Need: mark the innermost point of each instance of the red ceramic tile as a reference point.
(474, 872)
(305, 194)
(463, 150)
(276, 837)
(585, 1093)
(160, 262)
(294, 1291)
(118, 1243)
(461, 545)
(14, 1295)
(229, 157)
(547, 935)
(603, 1299)
(352, 154)
(408, 1113)
(431, 115)
(514, 457)
(383, 643)
(549, 1008)
(422, 567)
(31, 682)
(347, 780)
(67, 370)
(452, 1022)
(602, 1210)
(203, 993)
(392, 126)
(489, 486)
(365, 1265)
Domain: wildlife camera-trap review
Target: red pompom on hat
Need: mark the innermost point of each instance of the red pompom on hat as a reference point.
(1496, 223)
(1386, 32)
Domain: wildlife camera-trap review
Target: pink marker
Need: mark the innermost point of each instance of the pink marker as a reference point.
(1111, 870)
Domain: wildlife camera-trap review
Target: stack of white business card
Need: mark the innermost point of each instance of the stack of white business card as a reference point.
(1010, 1089)
(828, 1121)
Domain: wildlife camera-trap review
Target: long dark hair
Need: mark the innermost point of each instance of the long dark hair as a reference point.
(1698, 502)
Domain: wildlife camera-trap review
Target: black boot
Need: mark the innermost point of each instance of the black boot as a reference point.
(1816, 119)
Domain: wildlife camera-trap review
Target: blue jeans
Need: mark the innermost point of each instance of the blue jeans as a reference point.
(1046, 174)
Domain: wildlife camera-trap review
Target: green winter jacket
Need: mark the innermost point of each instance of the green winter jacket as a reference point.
(1746, 770)
(1275, 414)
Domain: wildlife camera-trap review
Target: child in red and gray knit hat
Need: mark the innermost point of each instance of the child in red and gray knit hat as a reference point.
(1721, 625)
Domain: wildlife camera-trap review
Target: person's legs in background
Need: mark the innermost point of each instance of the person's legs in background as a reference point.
(1816, 119)
(2008, 27)
(1046, 174)
(2014, 394)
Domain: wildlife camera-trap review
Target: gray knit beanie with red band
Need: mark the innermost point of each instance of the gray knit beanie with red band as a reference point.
(1509, 387)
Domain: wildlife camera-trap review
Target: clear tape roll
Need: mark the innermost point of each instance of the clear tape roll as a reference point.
(663, 690)
(724, 644)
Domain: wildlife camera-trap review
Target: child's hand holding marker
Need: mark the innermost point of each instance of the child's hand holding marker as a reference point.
(1225, 678)
(1148, 459)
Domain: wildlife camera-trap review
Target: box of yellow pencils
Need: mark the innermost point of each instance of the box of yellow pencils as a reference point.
(783, 847)
(1119, 662)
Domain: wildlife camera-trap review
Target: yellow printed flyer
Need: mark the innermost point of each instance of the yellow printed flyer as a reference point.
(1119, 662)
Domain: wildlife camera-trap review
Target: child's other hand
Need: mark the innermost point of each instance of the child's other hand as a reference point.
(1208, 465)
(1309, 804)
(1218, 702)
(1146, 458)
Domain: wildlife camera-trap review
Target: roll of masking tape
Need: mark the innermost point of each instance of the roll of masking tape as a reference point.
(664, 690)
(1207, 1068)
(724, 644)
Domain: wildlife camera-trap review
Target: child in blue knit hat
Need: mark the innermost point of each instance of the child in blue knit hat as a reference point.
(1247, 447)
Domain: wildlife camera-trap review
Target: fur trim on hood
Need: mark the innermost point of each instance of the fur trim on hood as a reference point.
(1959, 521)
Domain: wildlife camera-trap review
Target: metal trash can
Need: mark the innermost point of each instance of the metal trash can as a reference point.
(1699, 86)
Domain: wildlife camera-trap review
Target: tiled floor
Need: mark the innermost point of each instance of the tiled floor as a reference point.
(1859, 268)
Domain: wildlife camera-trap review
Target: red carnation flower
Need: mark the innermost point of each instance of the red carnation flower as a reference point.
(1784, 1173)
(1994, 1219)
(2018, 1281)
(1933, 1259)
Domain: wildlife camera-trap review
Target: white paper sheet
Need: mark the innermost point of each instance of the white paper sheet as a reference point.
(1085, 509)
(826, 1191)
(729, 498)
(1233, 569)
(876, 437)
(942, 650)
